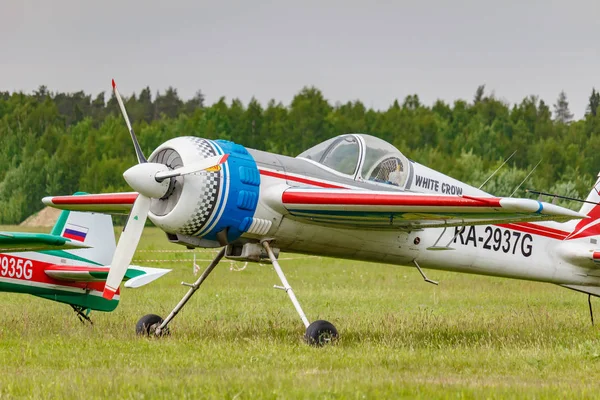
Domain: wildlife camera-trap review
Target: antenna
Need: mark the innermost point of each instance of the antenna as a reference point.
(528, 175)
(497, 169)
(555, 196)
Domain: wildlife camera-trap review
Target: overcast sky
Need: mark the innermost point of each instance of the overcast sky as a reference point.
(373, 51)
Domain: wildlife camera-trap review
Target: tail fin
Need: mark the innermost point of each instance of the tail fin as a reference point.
(92, 229)
(593, 197)
(589, 226)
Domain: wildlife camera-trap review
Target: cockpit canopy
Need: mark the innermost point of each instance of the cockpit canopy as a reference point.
(361, 157)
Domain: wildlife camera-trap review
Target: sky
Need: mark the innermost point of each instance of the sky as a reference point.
(372, 51)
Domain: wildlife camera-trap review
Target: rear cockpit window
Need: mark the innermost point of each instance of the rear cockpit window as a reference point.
(384, 163)
(391, 170)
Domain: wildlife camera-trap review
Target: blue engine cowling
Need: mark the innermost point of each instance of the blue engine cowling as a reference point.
(210, 205)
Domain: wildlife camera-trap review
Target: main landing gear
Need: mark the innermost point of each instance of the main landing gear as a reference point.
(82, 313)
(318, 333)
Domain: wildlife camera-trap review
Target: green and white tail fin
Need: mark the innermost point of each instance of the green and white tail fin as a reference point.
(92, 229)
(96, 231)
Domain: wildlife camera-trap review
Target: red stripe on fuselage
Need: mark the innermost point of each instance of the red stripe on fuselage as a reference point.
(38, 275)
(534, 229)
(298, 179)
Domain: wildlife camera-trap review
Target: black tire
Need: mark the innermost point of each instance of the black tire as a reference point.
(320, 333)
(148, 324)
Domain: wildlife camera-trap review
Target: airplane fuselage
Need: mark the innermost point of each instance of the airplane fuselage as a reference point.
(341, 199)
(532, 251)
(26, 272)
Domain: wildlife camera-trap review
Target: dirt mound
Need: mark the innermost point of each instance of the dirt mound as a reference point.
(44, 218)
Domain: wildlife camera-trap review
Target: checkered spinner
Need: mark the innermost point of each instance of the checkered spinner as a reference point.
(210, 184)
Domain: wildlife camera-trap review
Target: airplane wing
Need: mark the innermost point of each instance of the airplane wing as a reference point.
(11, 242)
(403, 210)
(110, 203)
(135, 276)
(366, 209)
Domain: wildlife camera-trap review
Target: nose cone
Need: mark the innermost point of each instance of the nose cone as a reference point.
(141, 178)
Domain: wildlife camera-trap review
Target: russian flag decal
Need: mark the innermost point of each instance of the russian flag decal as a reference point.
(75, 232)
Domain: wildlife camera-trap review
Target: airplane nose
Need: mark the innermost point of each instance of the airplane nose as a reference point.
(142, 179)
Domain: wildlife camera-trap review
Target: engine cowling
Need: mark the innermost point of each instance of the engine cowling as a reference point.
(212, 205)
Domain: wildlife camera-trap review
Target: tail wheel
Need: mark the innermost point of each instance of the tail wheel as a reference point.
(321, 333)
(147, 324)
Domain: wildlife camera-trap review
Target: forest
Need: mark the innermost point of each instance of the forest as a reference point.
(60, 143)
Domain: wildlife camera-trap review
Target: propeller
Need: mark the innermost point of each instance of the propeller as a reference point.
(136, 145)
(150, 180)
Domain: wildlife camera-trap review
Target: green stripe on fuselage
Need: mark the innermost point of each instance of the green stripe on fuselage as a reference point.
(82, 299)
(97, 303)
(70, 256)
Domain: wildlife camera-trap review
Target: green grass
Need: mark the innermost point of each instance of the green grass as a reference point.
(470, 337)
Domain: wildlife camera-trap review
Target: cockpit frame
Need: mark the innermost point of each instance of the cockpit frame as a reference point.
(375, 161)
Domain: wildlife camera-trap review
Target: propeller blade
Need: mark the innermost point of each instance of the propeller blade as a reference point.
(127, 245)
(138, 150)
(206, 164)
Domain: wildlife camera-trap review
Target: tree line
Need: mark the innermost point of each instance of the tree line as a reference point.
(59, 143)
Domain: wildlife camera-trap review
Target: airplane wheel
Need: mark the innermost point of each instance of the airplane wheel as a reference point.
(320, 333)
(148, 324)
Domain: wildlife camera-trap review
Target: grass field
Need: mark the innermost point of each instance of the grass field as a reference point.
(469, 337)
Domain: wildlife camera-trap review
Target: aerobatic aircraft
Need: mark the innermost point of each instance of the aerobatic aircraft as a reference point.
(353, 196)
(70, 265)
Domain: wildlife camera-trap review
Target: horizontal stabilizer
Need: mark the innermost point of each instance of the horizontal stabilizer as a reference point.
(111, 203)
(19, 241)
(147, 275)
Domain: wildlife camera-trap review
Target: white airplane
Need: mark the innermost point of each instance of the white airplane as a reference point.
(354, 197)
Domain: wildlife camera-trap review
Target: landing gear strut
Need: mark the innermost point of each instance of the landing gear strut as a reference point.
(82, 313)
(318, 333)
(591, 310)
(153, 324)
